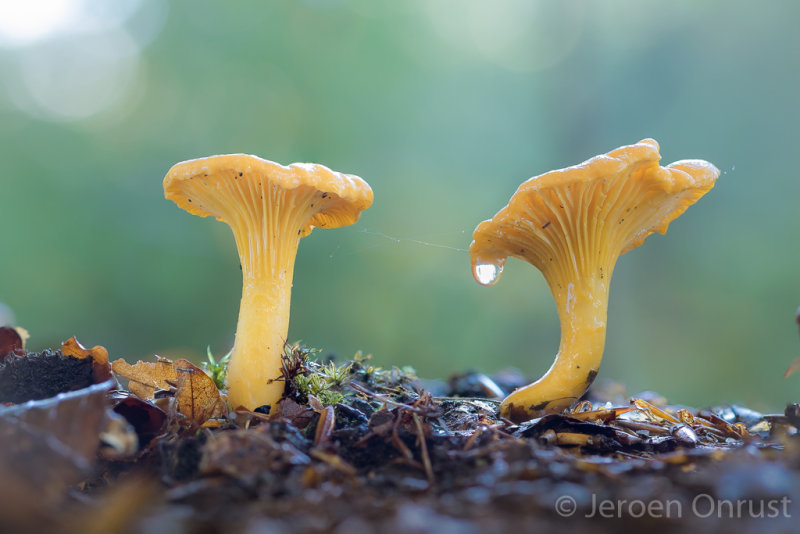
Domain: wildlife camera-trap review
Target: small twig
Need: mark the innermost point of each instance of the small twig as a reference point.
(654, 412)
(468, 399)
(334, 461)
(631, 455)
(423, 446)
(640, 425)
(398, 443)
(386, 400)
(496, 433)
(474, 437)
(325, 426)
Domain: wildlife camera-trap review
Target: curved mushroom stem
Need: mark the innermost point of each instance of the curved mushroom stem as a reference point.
(582, 303)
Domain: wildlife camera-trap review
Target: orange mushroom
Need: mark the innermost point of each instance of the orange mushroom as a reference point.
(269, 207)
(573, 224)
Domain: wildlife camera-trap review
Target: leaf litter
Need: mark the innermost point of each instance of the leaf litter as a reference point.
(354, 445)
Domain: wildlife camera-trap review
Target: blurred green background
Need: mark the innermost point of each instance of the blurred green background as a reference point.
(444, 107)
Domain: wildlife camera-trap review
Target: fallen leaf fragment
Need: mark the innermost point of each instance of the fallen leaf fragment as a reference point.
(48, 445)
(74, 419)
(101, 370)
(10, 341)
(35, 472)
(197, 396)
(119, 440)
(72, 347)
(147, 419)
(296, 414)
(24, 334)
(146, 377)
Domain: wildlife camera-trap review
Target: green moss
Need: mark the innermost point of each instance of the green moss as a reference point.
(216, 369)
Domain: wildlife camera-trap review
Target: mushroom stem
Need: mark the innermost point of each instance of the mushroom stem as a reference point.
(254, 372)
(261, 333)
(582, 303)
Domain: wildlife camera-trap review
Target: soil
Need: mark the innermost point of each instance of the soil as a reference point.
(353, 448)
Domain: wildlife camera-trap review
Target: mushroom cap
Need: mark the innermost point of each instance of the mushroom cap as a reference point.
(592, 201)
(345, 195)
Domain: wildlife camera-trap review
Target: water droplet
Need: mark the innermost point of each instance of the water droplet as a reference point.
(487, 273)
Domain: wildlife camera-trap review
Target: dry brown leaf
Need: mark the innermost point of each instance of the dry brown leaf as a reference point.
(45, 446)
(197, 396)
(72, 347)
(146, 418)
(144, 378)
(10, 341)
(24, 334)
(35, 476)
(793, 368)
(101, 370)
(73, 418)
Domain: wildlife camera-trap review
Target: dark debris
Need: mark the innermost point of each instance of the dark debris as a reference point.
(42, 375)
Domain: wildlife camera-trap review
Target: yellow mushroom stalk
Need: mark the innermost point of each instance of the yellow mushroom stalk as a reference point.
(269, 207)
(573, 224)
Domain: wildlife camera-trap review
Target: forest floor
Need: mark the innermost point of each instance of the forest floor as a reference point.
(91, 446)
